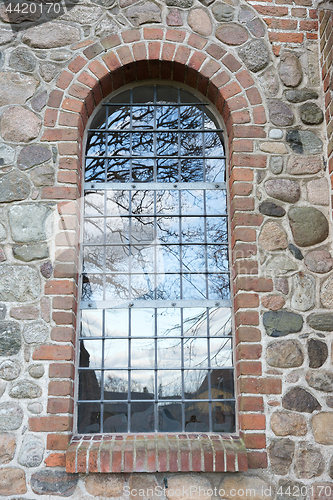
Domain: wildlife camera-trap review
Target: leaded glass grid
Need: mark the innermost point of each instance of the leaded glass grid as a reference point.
(155, 337)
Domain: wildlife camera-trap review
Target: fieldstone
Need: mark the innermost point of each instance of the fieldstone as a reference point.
(281, 323)
(3, 233)
(271, 209)
(300, 400)
(304, 142)
(9, 370)
(53, 482)
(14, 186)
(244, 487)
(308, 225)
(35, 408)
(276, 164)
(46, 270)
(12, 482)
(296, 252)
(281, 452)
(174, 18)
(105, 485)
(283, 189)
(300, 95)
(27, 253)
(36, 332)
(33, 155)
(21, 59)
(288, 424)
(273, 147)
(300, 165)
(7, 155)
(308, 462)
(18, 284)
(272, 237)
(269, 82)
(311, 114)
(179, 484)
(51, 35)
(16, 88)
(19, 124)
(11, 416)
(30, 222)
(47, 71)
(286, 487)
(25, 390)
(19, 15)
(255, 55)
(83, 14)
(24, 312)
(257, 27)
(322, 380)
(317, 352)
(3, 310)
(6, 36)
(45, 308)
(105, 28)
(61, 55)
(318, 192)
(290, 70)
(280, 113)
(2, 255)
(246, 14)
(284, 354)
(279, 265)
(326, 293)
(31, 452)
(36, 371)
(148, 12)
(304, 292)
(273, 302)
(199, 21)
(223, 12)
(143, 483)
(321, 321)
(232, 34)
(182, 4)
(10, 338)
(38, 102)
(7, 448)
(275, 133)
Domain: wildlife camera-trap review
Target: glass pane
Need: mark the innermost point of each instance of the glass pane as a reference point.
(167, 144)
(96, 144)
(119, 144)
(192, 170)
(195, 384)
(115, 384)
(194, 286)
(170, 417)
(93, 259)
(89, 384)
(197, 417)
(223, 416)
(88, 419)
(90, 353)
(142, 287)
(193, 230)
(190, 116)
(168, 322)
(222, 384)
(115, 417)
(195, 353)
(117, 259)
(118, 170)
(170, 258)
(92, 287)
(217, 257)
(116, 287)
(216, 202)
(195, 322)
(169, 384)
(220, 352)
(167, 202)
(142, 170)
(169, 353)
(94, 203)
(191, 144)
(142, 384)
(143, 353)
(166, 94)
(91, 324)
(119, 118)
(167, 170)
(142, 202)
(218, 286)
(142, 143)
(117, 230)
(143, 94)
(193, 258)
(167, 117)
(142, 117)
(168, 229)
(192, 202)
(117, 202)
(116, 353)
(93, 230)
(116, 323)
(142, 417)
(217, 231)
(142, 231)
(213, 146)
(169, 287)
(142, 322)
(95, 170)
(215, 170)
(219, 321)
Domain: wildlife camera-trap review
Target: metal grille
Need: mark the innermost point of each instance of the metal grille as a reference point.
(155, 341)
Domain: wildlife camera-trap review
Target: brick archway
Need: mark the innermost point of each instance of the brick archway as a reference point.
(106, 66)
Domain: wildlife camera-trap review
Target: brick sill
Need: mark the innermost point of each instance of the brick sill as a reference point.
(156, 453)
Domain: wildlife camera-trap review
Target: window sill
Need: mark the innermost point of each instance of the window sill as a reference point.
(156, 453)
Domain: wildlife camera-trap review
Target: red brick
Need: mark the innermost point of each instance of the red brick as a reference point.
(231, 63)
(110, 41)
(55, 98)
(249, 131)
(60, 388)
(250, 318)
(175, 35)
(247, 219)
(259, 115)
(55, 460)
(50, 117)
(60, 134)
(112, 61)
(260, 385)
(61, 370)
(254, 440)
(251, 283)
(50, 424)
(130, 36)
(247, 334)
(281, 24)
(254, 403)
(62, 333)
(152, 33)
(253, 368)
(59, 287)
(57, 441)
(196, 41)
(77, 64)
(60, 405)
(253, 96)
(257, 459)
(241, 117)
(64, 79)
(245, 250)
(53, 352)
(215, 51)
(252, 421)
(246, 351)
(243, 145)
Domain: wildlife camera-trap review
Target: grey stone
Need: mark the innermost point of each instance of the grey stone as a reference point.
(43, 176)
(246, 14)
(105, 27)
(271, 209)
(35, 332)
(199, 21)
(182, 4)
(311, 114)
(321, 321)
(7, 155)
(322, 380)
(6, 36)
(232, 34)
(14, 186)
(3, 386)
(300, 400)
(276, 164)
(280, 113)
(304, 292)
(36, 371)
(33, 155)
(83, 14)
(61, 55)
(148, 12)
(308, 225)
(317, 352)
(300, 165)
(9, 370)
(255, 55)
(308, 462)
(19, 124)
(16, 88)
(284, 423)
(38, 102)
(18, 284)
(19, 15)
(51, 35)
(10, 338)
(283, 189)
(27, 253)
(3, 310)
(53, 482)
(304, 142)
(35, 408)
(326, 293)
(281, 284)
(30, 222)
(284, 354)
(47, 71)
(2, 255)
(11, 416)
(281, 452)
(46, 270)
(21, 59)
(25, 390)
(280, 265)
(31, 452)
(281, 323)
(290, 70)
(285, 487)
(3, 233)
(7, 448)
(296, 252)
(257, 27)
(269, 82)
(275, 133)
(300, 95)
(223, 12)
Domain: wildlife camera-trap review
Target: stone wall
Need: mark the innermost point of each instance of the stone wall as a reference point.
(259, 64)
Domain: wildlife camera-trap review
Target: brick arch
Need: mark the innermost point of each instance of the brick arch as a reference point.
(100, 69)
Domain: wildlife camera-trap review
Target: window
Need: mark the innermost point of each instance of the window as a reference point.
(155, 329)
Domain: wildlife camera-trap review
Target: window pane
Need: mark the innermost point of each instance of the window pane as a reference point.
(192, 202)
(89, 418)
(195, 322)
(92, 287)
(143, 353)
(115, 385)
(95, 170)
(169, 417)
(116, 323)
(195, 353)
(142, 384)
(93, 259)
(193, 230)
(169, 353)
(91, 353)
(94, 203)
(116, 353)
(168, 322)
(223, 415)
(142, 322)
(142, 417)
(196, 417)
(115, 417)
(91, 324)
(169, 384)
(195, 384)
(219, 322)
(90, 384)
(118, 170)
(220, 352)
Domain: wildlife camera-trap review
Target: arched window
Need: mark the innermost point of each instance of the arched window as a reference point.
(155, 330)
